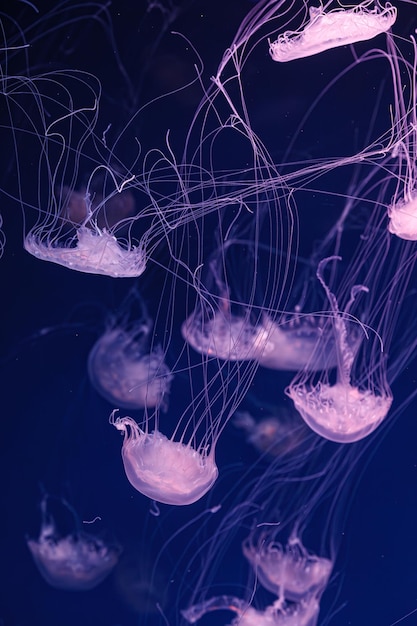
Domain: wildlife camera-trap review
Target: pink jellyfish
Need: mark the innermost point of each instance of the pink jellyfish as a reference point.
(124, 365)
(342, 411)
(402, 212)
(75, 562)
(165, 470)
(339, 27)
(291, 572)
(126, 372)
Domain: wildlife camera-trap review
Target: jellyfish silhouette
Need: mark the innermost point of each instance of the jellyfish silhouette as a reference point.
(76, 561)
(125, 371)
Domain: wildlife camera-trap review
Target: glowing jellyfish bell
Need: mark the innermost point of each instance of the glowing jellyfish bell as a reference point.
(83, 231)
(165, 470)
(126, 372)
(76, 562)
(339, 27)
(340, 412)
(402, 212)
(291, 572)
(92, 250)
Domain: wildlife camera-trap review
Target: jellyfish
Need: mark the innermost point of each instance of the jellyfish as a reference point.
(76, 561)
(339, 27)
(290, 572)
(125, 374)
(341, 412)
(278, 434)
(165, 470)
(224, 336)
(402, 211)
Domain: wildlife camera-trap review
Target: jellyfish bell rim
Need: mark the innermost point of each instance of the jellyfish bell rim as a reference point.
(122, 264)
(300, 392)
(144, 455)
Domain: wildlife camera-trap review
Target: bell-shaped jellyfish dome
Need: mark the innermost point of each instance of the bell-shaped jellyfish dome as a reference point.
(224, 336)
(125, 373)
(341, 412)
(339, 27)
(304, 613)
(298, 341)
(402, 212)
(164, 470)
(403, 218)
(76, 561)
(291, 572)
(94, 251)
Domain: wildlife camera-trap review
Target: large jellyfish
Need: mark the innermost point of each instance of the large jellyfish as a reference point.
(338, 27)
(76, 561)
(165, 470)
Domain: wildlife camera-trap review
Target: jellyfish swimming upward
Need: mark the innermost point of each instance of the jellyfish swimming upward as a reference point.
(208, 261)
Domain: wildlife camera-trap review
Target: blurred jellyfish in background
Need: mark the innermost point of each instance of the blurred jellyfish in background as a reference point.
(122, 365)
(257, 208)
(77, 561)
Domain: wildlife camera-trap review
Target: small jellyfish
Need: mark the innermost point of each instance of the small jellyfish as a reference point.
(76, 561)
(291, 572)
(341, 412)
(339, 27)
(165, 470)
(304, 613)
(123, 370)
(275, 436)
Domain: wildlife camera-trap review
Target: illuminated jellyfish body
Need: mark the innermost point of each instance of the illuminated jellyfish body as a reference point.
(94, 251)
(291, 572)
(224, 336)
(402, 212)
(403, 217)
(125, 373)
(76, 561)
(304, 613)
(168, 471)
(302, 341)
(339, 27)
(341, 412)
(85, 209)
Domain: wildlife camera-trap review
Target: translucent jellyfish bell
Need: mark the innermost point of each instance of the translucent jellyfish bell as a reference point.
(75, 562)
(220, 333)
(123, 371)
(168, 471)
(224, 336)
(403, 210)
(300, 341)
(340, 412)
(339, 27)
(291, 572)
(93, 251)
